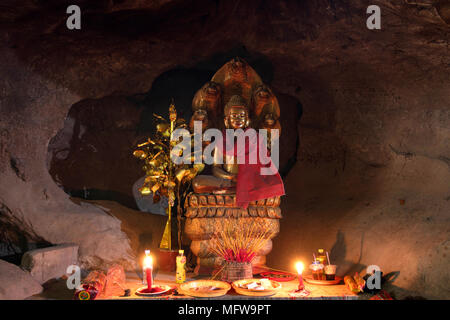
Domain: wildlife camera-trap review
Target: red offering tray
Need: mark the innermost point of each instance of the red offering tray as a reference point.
(278, 276)
(310, 280)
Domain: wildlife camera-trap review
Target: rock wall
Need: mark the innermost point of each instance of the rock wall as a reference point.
(374, 130)
(15, 283)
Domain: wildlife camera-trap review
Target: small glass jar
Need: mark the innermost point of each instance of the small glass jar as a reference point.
(317, 270)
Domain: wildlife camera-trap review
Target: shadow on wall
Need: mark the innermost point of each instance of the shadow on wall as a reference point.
(338, 254)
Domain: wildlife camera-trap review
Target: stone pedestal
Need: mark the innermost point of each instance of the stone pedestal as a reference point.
(205, 214)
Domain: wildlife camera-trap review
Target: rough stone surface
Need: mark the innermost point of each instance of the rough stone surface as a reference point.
(15, 283)
(374, 129)
(50, 263)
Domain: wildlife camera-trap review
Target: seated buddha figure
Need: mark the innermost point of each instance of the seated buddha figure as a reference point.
(223, 180)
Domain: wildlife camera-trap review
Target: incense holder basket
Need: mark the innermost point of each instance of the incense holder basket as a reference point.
(233, 271)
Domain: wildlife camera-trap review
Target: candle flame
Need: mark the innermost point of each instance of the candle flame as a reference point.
(299, 266)
(148, 262)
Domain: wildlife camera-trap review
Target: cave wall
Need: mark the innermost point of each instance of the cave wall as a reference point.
(374, 130)
(372, 183)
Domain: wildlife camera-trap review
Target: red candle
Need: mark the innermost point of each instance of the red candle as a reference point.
(148, 272)
(301, 286)
(299, 267)
(148, 267)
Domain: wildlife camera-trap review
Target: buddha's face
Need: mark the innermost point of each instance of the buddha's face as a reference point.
(237, 118)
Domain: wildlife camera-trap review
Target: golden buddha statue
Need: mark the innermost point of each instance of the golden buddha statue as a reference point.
(233, 98)
(236, 116)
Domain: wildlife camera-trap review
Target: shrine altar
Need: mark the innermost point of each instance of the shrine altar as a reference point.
(317, 292)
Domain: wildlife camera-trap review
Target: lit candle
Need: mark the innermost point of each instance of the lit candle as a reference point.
(300, 267)
(148, 267)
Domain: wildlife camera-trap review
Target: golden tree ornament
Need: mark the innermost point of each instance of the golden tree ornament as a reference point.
(163, 177)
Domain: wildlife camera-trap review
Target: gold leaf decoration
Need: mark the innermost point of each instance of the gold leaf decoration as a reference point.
(145, 191)
(199, 167)
(140, 154)
(163, 177)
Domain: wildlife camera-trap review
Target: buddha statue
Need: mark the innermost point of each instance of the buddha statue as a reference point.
(223, 180)
(232, 191)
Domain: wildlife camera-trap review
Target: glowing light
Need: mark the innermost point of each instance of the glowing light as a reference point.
(299, 266)
(148, 262)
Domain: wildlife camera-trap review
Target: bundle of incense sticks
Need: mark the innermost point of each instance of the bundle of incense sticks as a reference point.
(239, 242)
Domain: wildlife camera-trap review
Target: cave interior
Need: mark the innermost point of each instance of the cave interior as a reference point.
(365, 144)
